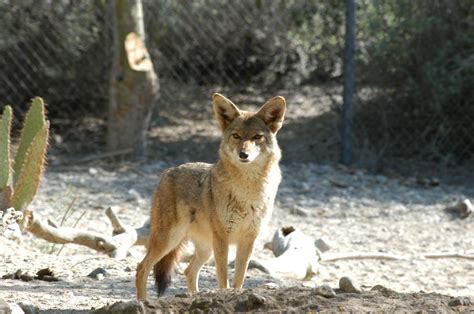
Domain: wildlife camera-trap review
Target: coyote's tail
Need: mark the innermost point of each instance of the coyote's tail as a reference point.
(164, 269)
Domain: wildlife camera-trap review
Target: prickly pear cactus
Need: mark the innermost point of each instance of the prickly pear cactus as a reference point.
(19, 184)
(29, 175)
(5, 164)
(34, 122)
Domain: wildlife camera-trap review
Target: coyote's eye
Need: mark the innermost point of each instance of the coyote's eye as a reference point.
(257, 137)
(236, 136)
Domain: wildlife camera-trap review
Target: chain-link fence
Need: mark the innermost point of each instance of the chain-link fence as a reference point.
(54, 49)
(61, 51)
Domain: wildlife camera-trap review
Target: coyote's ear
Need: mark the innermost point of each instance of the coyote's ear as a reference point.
(273, 113)
(224, 109)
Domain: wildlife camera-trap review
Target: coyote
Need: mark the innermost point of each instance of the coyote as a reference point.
(215, 205)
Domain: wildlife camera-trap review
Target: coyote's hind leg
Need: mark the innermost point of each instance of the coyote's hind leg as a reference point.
(201, 255)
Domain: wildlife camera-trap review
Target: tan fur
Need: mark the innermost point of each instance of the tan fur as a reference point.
(217, 205)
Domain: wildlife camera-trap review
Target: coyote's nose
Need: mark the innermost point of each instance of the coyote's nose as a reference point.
(243, 155)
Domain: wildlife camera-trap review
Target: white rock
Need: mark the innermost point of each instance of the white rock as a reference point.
(322, 245)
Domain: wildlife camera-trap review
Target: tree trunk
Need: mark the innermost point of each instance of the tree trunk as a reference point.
(133, 82)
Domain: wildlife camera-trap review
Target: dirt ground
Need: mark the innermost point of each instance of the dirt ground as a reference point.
(352, 209)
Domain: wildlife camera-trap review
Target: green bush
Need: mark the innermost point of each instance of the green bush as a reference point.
(420, 56)
(225, 42)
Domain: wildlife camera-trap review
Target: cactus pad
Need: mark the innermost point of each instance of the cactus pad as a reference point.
(34, 122)
(30, 173)
(5, 165)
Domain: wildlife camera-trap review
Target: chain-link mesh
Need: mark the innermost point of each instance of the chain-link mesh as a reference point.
(57, 50)
(421, 73)
(210, 43)
(61, 51)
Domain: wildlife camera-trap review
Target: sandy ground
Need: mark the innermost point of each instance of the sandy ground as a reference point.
(353, 209)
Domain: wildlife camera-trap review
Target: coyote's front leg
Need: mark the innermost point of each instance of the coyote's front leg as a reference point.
(244, 250)
(221, 251)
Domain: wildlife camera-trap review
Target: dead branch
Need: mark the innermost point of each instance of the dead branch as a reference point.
(331, 257)
(116, 246)
(115, 153)
(449, 255)
(98, 257)
(142, 232)
(117, 225)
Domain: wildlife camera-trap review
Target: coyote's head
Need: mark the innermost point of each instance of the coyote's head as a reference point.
(249, 137)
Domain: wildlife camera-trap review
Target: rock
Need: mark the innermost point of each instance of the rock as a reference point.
(280, 240)
(290, 238)
(268, 246)
(15, 308)
(28, 308)
(133, 195)
(255, 300)
(295, 255)
(9, 218)
(249, 302)
(298, 211)
(49, 278)
(26, 277)
(12, 232)
(322, 245)
(339, 182)
(254, 264)
(4, 307)
(10, 308)
(460, 301)
(46, 274)
(325, 291)
(386, 292)
(309, 284)
(183, 295)
(346, 285)
(98, 274)
(121, 308)
(427, 182)
(18, 274)
(9, 276)
(200, 304)
(462, 209)
(270, 286)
